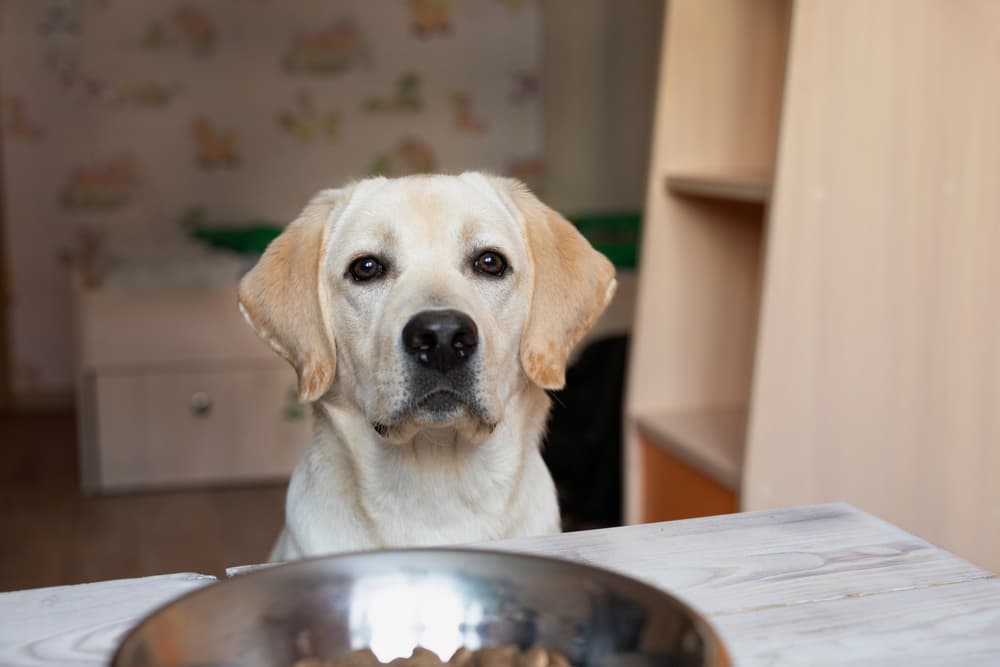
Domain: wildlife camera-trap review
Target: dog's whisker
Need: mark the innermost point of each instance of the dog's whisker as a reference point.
(555, 397)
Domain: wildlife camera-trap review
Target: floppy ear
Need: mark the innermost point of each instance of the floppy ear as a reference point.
(571, 285)
(282, 298)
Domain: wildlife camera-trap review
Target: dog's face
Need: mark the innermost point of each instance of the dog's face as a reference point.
(428, 292)
(427, 301)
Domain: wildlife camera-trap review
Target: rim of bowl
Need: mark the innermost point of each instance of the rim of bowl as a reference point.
(717, 653)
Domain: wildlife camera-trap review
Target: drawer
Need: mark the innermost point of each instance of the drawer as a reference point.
(157, 428)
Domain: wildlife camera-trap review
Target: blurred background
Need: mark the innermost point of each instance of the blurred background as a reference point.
(800, 196)
(150, 152)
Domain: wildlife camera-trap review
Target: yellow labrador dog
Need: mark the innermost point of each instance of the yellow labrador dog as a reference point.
(425, 317)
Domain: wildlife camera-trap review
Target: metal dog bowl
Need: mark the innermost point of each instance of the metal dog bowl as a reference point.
(440, 599)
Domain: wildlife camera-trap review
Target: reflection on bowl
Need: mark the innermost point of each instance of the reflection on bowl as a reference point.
(439, 599)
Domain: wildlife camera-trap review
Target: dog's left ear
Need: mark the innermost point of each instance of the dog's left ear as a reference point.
(282, 296)
(572, 284)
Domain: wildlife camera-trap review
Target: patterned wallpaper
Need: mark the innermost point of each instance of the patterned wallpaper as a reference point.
(121, 117)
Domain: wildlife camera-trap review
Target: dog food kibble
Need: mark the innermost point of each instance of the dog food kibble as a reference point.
(497, 656)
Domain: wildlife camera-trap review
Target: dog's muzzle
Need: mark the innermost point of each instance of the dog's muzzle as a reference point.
(441, 378)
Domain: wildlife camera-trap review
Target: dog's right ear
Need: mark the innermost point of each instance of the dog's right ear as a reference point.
(283, 299)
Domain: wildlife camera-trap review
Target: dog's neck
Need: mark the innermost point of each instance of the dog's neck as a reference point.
(438, 468)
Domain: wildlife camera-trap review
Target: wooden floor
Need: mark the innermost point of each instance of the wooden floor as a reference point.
(51, 534)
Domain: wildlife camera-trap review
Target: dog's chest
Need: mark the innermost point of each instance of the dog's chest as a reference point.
(438, 504)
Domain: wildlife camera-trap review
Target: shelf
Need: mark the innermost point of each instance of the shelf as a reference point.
(710, 439)
(746, 187)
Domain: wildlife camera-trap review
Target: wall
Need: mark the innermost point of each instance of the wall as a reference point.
(599, 64)
(122, 118)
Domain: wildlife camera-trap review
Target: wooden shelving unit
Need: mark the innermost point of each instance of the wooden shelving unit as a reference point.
(855, 342)
(710, 179)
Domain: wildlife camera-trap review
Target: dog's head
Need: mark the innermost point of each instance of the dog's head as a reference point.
(427, 301)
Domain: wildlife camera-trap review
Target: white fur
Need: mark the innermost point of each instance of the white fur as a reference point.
(351, 492)
(478, 474)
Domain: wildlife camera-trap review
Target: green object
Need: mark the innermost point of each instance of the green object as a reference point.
(614, 234)
(249, 240)
(249, 236)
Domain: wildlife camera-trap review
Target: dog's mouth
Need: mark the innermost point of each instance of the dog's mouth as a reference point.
(441, 401)
(437, 407)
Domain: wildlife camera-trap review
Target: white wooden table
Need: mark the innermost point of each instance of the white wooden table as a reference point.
(823, 585)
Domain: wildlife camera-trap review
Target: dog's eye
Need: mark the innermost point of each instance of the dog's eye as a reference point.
(366, 268)
(491, 263)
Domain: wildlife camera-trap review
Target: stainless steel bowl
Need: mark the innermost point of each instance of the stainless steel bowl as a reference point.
(441, 599)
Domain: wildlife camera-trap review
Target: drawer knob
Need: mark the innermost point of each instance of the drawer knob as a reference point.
(201, 404)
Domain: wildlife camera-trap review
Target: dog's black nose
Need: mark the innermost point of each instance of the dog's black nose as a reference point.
(441, 339)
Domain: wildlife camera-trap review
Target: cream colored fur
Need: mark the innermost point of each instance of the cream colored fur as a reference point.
(420, 479)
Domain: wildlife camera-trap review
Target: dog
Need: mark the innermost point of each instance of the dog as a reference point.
(426, 317)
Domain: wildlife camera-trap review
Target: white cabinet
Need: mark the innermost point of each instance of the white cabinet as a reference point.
(175, 389)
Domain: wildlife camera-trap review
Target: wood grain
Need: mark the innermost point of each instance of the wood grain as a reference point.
(812, 586)
(81, 625)
(878, 368)
(957, 624)
(739, 562)
(822, 585)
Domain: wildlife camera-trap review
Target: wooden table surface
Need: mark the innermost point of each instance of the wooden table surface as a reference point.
(821, 585)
